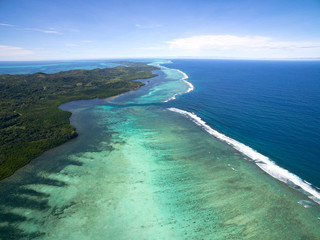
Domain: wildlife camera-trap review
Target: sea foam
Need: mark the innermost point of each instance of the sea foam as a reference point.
(262, 161)
(184, 77)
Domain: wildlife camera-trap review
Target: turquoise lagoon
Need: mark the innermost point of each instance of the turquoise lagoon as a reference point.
(143, 169)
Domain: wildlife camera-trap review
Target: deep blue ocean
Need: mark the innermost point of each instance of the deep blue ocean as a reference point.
(271, 106)
(26, 67)
(188, 155)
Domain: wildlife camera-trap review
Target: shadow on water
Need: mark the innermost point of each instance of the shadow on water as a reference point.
(23, 196)
(17, 199)
(12, 233)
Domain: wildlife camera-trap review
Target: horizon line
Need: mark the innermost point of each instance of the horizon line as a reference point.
(178, 57)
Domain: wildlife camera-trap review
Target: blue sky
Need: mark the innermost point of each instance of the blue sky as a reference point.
(81, 29)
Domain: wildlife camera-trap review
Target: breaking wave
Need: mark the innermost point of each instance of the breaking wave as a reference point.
(262, 161)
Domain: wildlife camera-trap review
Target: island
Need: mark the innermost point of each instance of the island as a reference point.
(30, 120)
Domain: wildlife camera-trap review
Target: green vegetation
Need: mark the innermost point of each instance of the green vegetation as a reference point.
(30, 121)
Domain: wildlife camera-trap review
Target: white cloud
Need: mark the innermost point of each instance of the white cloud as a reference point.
(229, 42)
(145, 26)
(12, 51)
(42, 30)
(78, 44)
(87, 41)
(244, 47)
(6, 25)
(71, 45)
(156, 47)
(49, 31)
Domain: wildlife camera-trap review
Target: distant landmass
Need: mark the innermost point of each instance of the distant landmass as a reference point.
(30, 120)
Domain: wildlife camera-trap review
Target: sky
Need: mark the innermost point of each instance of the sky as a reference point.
(83, 29)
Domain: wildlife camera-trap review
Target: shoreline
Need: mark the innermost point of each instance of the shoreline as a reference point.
(76, 130)
(176, 180)
(263, 162)
(72, 137)
(138, 175)
(184, 79)
(120, 94)
(16, 156)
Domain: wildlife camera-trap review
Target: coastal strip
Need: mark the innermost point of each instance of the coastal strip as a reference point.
(30, 119)
(261, 161)
(184, 79)
(185, 76)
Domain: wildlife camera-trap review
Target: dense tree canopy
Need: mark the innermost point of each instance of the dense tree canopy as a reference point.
(30, 121)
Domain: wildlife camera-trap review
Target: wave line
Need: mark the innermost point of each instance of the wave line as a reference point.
(262, 161)
(184, 77)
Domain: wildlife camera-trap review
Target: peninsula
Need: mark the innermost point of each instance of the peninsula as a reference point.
(30, 120)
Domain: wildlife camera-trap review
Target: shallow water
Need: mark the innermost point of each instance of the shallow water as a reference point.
(51, 66)
(140, 171)
(271, 106)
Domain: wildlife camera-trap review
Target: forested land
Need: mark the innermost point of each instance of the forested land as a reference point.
(30, 120)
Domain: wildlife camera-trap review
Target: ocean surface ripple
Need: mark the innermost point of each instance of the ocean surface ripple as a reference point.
(262, 161)
(184, 78)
